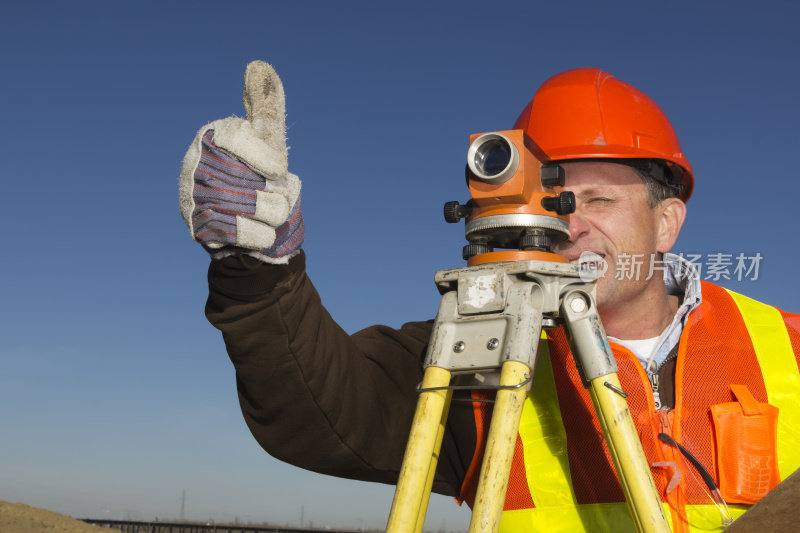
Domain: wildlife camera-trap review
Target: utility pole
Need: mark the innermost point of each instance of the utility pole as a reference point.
(183, 503)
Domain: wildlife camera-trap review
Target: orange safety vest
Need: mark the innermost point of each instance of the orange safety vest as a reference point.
(562, 476)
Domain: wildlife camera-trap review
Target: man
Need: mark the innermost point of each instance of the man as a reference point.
(704, 368)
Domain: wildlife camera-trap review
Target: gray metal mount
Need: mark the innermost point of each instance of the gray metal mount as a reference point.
(495, 312)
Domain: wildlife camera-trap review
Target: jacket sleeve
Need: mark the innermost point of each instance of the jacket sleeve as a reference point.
(316, 397)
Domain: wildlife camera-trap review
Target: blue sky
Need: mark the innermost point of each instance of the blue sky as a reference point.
(116, 394)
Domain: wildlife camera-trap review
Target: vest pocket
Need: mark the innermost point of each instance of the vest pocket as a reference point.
(745, 447)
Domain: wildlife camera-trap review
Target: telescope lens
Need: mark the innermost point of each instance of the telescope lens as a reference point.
(493, 156)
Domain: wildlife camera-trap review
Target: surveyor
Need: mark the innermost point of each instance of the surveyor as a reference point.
(712, 376)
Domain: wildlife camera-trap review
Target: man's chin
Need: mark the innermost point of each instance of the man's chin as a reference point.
(602, 295)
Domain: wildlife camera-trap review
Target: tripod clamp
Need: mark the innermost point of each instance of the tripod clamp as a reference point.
(528, 379)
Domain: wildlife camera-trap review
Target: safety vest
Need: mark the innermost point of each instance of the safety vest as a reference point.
(562, 476)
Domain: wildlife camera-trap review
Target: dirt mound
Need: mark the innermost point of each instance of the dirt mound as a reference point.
(21, 518)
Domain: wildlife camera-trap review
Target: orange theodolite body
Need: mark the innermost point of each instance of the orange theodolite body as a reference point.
(496, 202)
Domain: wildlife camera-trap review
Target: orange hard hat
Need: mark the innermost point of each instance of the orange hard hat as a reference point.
(586, 113)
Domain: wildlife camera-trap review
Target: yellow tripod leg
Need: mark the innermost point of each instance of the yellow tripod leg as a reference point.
(502, 437)
(426, 493)
(422, 452)
(629, 459)
(592, 353)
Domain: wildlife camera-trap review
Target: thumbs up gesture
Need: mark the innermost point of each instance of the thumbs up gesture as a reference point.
(236, 193)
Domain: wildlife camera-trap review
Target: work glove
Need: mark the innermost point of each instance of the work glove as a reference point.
(236, 193)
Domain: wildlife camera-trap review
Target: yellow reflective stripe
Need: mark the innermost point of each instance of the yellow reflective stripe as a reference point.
(709, 517)
(544, 440)
(605, 518)
(781, 377)
(596, 517)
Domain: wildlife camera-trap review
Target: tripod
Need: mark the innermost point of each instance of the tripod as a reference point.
(489, 323)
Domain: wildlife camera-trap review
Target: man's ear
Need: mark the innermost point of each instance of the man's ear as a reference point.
(672, 213)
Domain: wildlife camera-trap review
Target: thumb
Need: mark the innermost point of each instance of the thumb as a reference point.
(265, 103)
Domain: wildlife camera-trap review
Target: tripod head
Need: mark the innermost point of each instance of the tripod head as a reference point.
(517, 203)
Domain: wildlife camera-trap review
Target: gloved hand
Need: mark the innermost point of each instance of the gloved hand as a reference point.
(236, 193)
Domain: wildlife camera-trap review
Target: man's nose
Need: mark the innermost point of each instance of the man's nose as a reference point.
(578, 225)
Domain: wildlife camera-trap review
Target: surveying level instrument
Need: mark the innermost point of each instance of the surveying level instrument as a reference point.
(489, 325)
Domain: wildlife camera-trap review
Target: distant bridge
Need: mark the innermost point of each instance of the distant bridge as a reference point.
(130, 526)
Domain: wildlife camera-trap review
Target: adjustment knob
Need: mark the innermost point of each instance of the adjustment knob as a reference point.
(536, 240)
(454, 211)
(475, 249)
(563, 204)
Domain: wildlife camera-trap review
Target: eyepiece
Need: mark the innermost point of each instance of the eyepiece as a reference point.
(492, 157)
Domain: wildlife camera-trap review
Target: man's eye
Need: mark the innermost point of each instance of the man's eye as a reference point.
(599, 199)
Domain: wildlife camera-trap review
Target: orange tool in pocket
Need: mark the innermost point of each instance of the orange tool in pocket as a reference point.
(745, 434)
